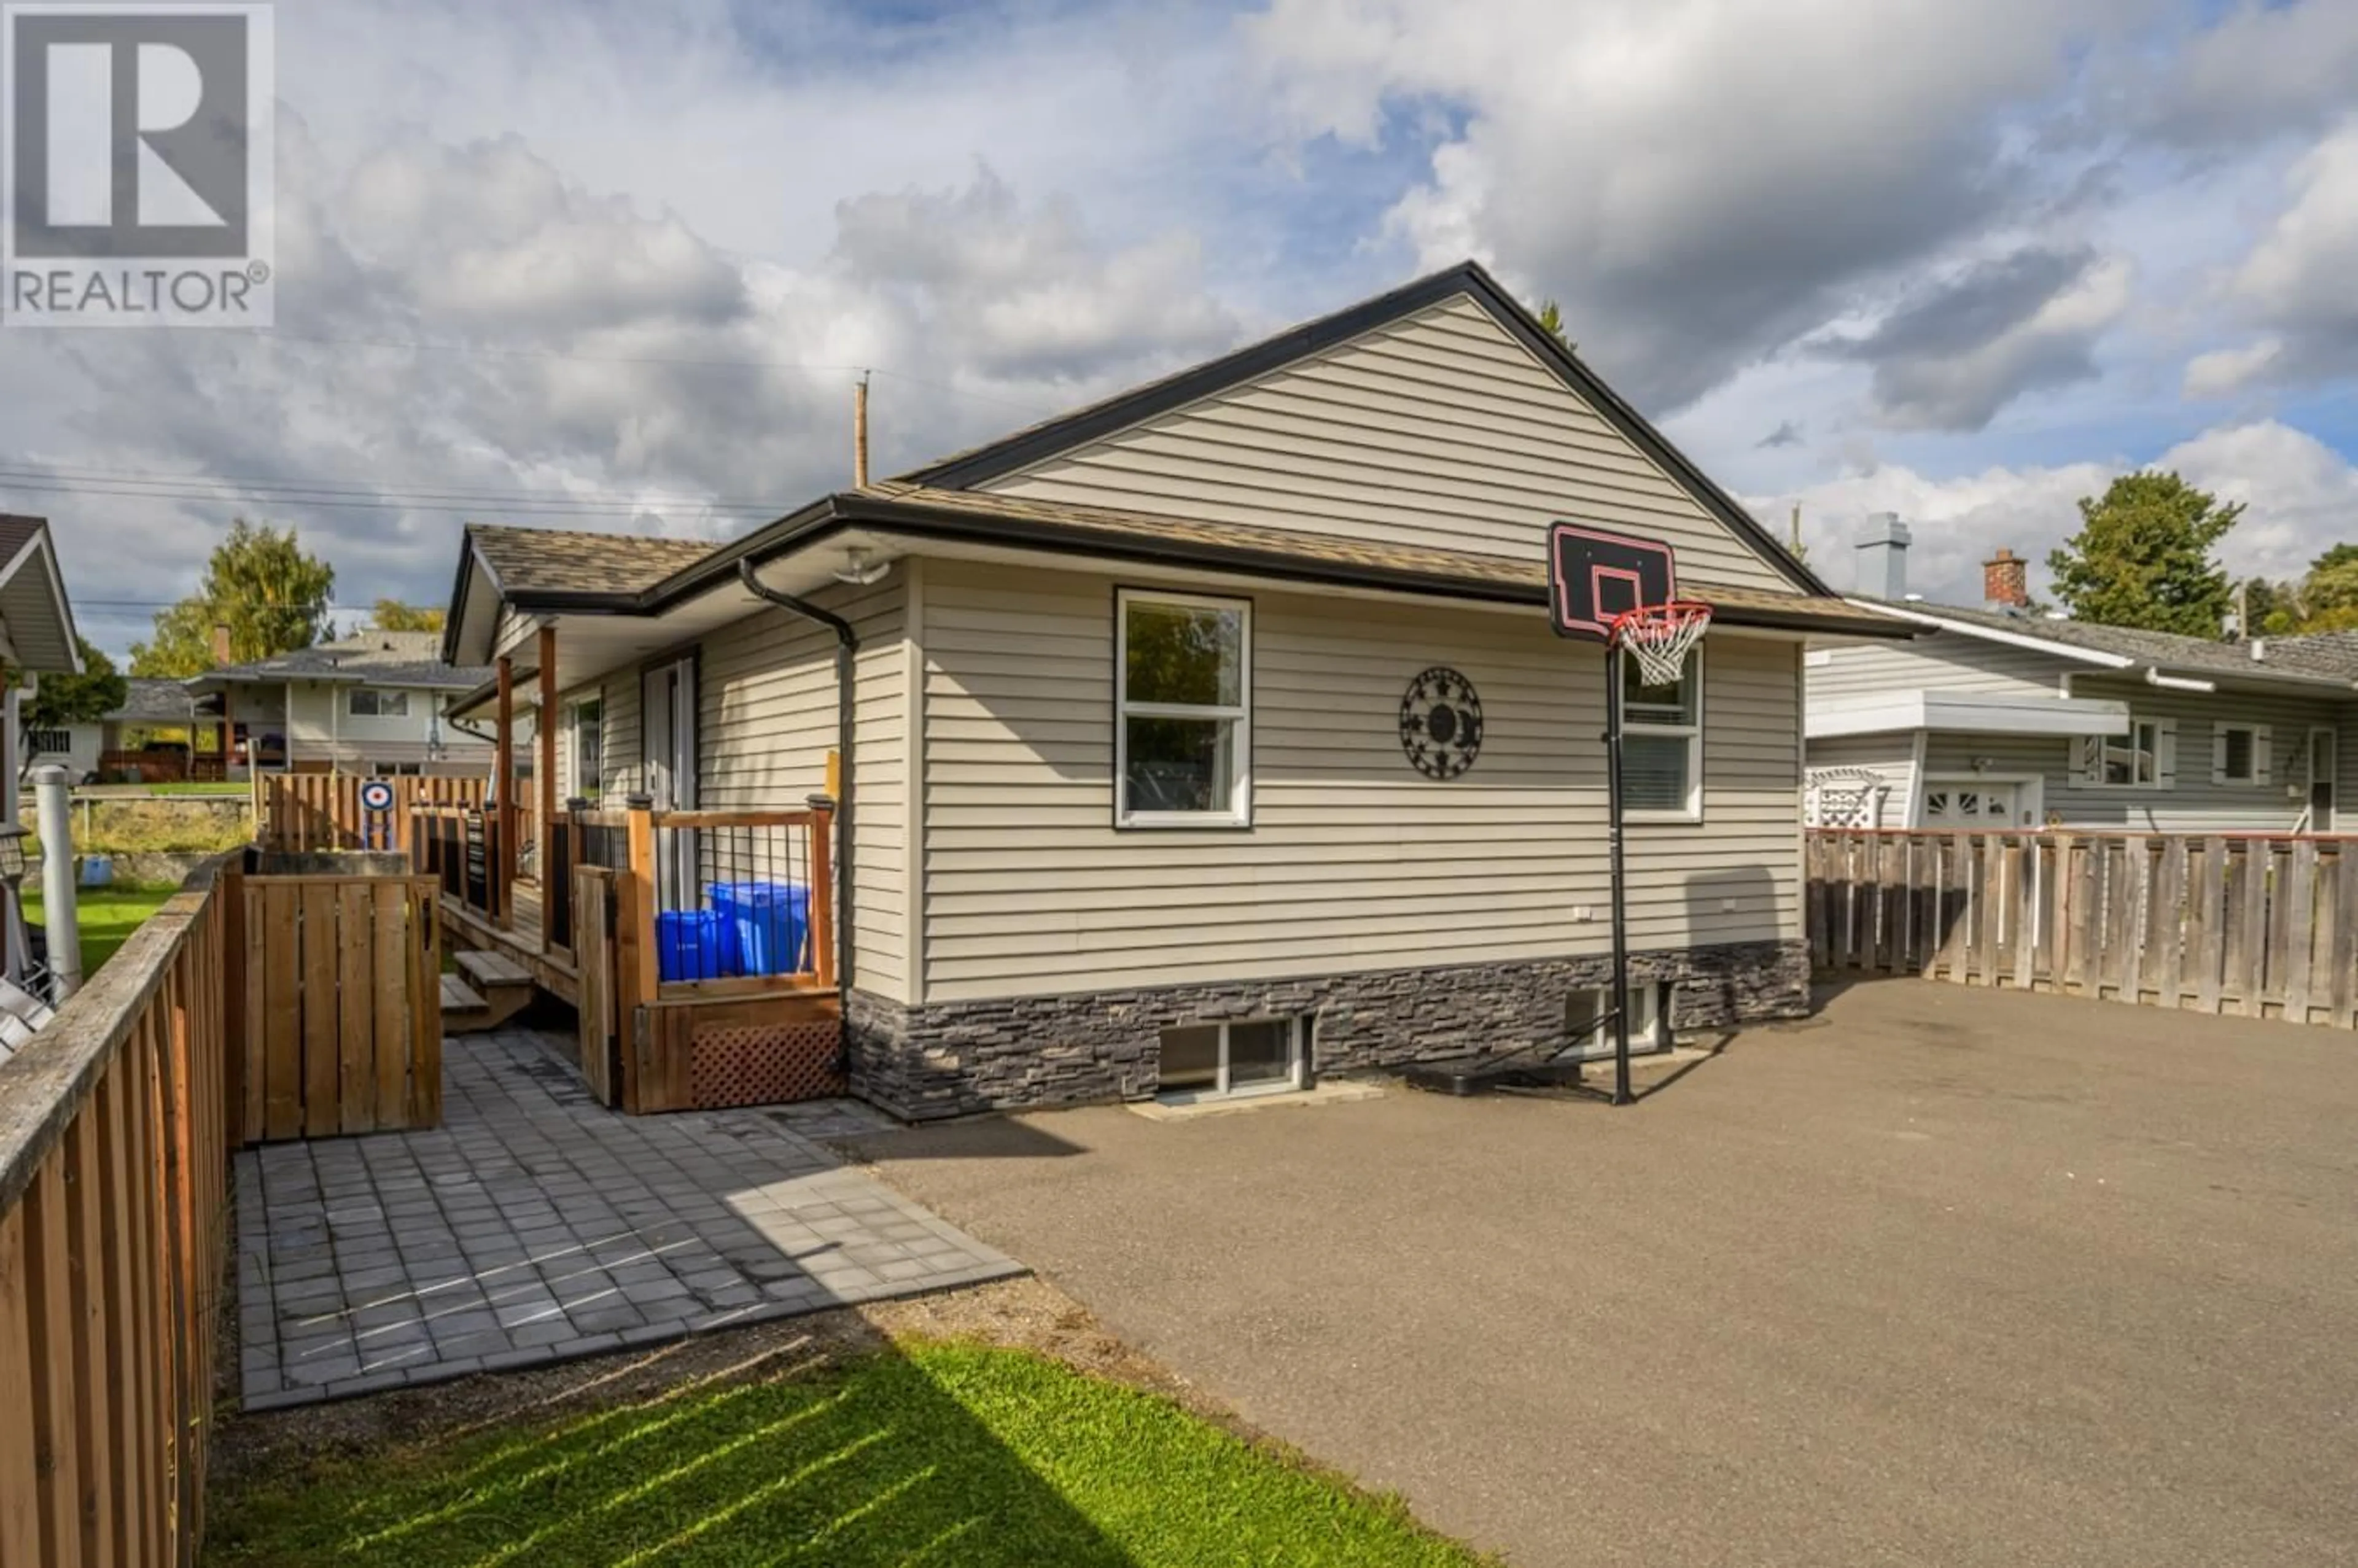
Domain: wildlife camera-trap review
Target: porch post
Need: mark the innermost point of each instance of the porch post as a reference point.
(546, 772)
(503, 762)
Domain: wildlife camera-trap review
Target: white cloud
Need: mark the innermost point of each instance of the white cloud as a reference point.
(2225, 370)
(2296, 278)
(1700, 184)
(2300, 496)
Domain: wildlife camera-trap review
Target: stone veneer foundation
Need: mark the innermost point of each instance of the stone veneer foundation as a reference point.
(952, 1058)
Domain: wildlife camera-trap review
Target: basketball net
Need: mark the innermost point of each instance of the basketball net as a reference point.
(1659, 635)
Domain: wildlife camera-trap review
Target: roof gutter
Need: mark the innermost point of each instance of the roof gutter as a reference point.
(833, 514)
(2153, 676)
(847, 733)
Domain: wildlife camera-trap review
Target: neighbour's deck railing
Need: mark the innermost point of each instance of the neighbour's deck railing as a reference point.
(2262, 925)
(307, 812)
(114, 1137)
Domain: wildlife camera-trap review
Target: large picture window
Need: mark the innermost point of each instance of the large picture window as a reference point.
(1662, 744)
(1183, 735)
(367, 702)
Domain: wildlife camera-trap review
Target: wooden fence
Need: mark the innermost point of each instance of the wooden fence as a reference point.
(113, 1149)
(2256, 926)
(299, 812)
(340, 1010)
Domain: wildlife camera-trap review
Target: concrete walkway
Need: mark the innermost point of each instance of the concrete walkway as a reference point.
(535, 1225)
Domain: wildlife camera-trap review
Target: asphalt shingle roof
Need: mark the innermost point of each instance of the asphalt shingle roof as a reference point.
(372, 659)
(529, 560)
(2282, 656)
(150, 700)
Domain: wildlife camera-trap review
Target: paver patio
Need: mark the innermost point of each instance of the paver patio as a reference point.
(535, 1225)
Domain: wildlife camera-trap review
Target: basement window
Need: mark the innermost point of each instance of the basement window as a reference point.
(1248, 1056)
(1586, 1013)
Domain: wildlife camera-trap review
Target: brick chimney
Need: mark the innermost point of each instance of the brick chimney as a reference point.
(221, 644)
(2005, 580)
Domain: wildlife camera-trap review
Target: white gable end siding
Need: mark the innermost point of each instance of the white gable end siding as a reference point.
(1355, 861)
(1938, 661)
(1441, 430)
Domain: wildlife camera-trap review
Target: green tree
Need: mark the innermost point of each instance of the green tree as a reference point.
(1551, 320)
(2142, 557)
(392, 615)
(59, 700)
(260, 584)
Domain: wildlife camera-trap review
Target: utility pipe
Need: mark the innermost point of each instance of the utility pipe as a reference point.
(53, 807)
(847, 651)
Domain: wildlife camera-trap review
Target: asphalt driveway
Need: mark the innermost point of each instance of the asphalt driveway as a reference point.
(1946, 1276)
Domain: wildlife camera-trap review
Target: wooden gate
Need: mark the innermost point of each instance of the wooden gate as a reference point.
(342, 1005)
(593, 919)
(304, 812)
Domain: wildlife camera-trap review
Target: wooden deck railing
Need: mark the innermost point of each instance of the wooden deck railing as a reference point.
(459, 847)
(2256, 924)
(113, 1139)
(306, 812)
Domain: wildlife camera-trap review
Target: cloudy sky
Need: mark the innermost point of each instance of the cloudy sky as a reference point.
(617, 265)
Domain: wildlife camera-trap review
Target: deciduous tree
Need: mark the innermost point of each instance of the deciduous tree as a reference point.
(2142, 557)
(262, 586)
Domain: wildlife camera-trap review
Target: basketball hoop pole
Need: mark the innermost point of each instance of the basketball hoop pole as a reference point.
(1621, 1095)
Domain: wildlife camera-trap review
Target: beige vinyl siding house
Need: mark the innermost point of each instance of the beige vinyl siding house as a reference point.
(1354, 861)
(1039, 909)
(1441, 429)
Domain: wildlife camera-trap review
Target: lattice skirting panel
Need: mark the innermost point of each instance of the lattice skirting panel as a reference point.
(769, 1063)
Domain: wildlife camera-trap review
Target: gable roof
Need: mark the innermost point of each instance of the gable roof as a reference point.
(147, 699)
(532, 560)
(2122, 647)
(34, 609)
(365, 658)
(1067, 432)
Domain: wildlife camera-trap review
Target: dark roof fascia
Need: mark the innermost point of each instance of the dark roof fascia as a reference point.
(836, 513)
(1118, 413)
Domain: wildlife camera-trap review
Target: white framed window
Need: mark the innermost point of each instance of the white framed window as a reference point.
(2146, 757)
(585, 727)
(367, 702)
(1662, 744)
(1183, 720)
(2239, 753)
(1245, 1056)
(1586, 1013)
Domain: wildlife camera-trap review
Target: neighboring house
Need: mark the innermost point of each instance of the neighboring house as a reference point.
(37, 638)
(2002, 717)
(1128, 808)
(149, 704)
(371, 703)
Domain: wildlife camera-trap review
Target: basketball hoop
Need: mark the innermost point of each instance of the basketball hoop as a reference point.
(1659, 635)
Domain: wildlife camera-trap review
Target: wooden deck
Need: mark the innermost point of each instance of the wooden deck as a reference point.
(553, 972)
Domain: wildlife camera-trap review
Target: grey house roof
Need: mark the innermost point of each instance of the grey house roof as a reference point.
(2280, 659)
(366, 658)
(154, 701)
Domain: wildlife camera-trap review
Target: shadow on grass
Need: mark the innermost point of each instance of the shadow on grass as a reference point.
(943, 1453)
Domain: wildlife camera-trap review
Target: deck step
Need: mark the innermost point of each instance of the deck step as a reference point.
(492, 971)
(460, 997)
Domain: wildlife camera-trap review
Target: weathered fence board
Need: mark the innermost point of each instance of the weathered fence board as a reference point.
(2259, 925)
(346, 1036)
(114, 1194)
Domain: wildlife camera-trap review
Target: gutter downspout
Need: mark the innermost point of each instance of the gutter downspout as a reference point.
(847, 649)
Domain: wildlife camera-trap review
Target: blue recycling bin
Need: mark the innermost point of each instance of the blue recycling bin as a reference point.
(764, 925)
(689, 946)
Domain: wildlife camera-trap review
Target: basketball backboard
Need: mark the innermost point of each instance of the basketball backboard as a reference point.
(1596, 574)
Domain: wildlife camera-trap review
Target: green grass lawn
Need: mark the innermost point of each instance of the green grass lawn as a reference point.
(215, 788)
(107, 917)
(952, 1454)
